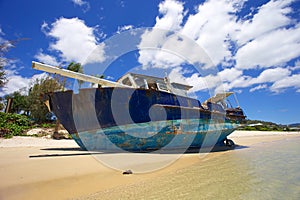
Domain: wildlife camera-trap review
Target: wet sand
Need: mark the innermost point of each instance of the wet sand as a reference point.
(37, 168)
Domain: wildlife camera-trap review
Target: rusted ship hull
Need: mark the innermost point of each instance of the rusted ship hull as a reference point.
(131, 119)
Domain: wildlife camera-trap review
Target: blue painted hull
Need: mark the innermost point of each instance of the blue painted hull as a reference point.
(138, 139)
(125, 119)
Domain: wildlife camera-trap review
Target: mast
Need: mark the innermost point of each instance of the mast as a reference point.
(75, 75)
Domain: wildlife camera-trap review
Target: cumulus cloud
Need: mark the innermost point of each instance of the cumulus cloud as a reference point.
(271, 75)
(269, 17)
(211, 27)
(274, 48)
(75, 41)
(172, 16)
(266, 38)
(16, 82)
(172, 12)
(291, 81)
(230, 74)
(45, 58)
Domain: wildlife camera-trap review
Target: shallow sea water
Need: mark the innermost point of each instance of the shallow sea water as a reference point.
(263, 171)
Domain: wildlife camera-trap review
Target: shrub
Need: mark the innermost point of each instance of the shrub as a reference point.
(13, 124)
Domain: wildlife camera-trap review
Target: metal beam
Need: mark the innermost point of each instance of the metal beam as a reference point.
(75, 75)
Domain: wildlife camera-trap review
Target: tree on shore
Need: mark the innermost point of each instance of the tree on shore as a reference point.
(2, 76)
(20, 103)
(4, 47)
(1, 104)
(76, 67)
(38, 109)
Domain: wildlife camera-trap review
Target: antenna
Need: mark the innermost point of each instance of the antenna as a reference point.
(166, 79)
(238, 104)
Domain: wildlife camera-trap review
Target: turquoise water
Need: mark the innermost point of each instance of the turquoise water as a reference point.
(263, 171)
(273, 168)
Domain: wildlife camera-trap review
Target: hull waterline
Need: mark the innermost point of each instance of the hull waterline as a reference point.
(137, 120)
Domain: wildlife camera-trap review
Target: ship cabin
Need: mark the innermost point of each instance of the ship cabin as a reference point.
(154, 83)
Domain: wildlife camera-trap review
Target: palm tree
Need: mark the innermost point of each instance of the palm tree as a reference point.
(76, 67)
(98, 76)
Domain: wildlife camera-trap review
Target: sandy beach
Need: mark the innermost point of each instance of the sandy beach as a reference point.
(41, 168)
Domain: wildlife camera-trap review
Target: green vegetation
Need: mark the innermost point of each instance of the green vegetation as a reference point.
(20, 103)
(76, 67)
(2, 106)
(36, 98)
(12, 124)
(27, 111)
(33, 104)
(257, 125)
(34, 111)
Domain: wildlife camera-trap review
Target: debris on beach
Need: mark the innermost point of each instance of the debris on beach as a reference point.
(127, 172)
(48, 133)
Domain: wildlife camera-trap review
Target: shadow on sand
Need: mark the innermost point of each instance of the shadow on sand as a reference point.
(81, 152)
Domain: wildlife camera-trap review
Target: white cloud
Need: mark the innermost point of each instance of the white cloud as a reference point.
(75, 41)
(78, 2)
(269, 17)
(45, 27)
(124, 28)
(84, 4)
(208, 82)
(274, 48)
(17, 82)
(259, 87)
(171, 20)
(242, 81)
(296, 66)
(45, 58)
(176, 75)
(172, 12)
(199, 83)
(268, 37)
(291, 81)
(233, 78)
(211, 26)
(230, 74)
(271, 75)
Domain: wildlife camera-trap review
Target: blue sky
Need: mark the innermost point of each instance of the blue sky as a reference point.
(254, 45)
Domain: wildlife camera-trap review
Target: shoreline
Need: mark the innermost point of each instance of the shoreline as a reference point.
(58, 169)
(30, 141)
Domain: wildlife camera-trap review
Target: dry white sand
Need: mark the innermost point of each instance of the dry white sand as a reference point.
(26, 141)
(237, 134)
(35, 168)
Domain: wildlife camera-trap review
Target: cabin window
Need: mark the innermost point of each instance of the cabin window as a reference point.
(162, 86)
(140, 82)
(127, 81)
